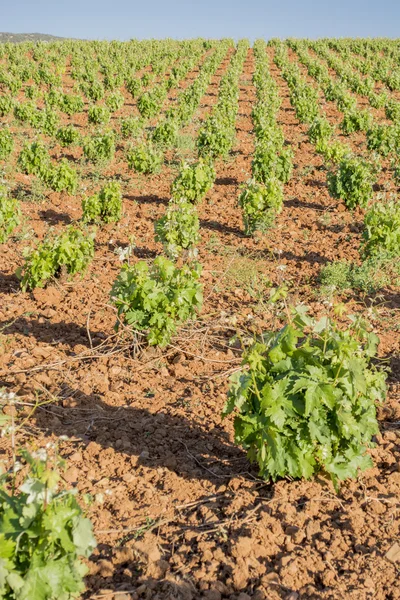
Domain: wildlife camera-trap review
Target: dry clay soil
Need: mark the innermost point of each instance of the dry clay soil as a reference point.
(177, 509)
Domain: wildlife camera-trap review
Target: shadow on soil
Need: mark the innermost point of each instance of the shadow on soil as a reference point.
(215, 226)
(188, 448)
(45, 331)
(148, 199)
(311, 257)
(226, 181)
(297, 203)
(9, 284)
(53, 217)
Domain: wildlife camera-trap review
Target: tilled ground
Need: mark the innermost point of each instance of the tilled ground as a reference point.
(177, 509)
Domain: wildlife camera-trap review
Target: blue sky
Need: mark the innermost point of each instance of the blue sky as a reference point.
(125, 19)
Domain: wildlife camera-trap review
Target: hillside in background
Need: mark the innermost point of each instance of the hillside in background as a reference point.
(28, 37)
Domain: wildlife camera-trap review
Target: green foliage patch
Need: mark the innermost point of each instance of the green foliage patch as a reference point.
(304, 400)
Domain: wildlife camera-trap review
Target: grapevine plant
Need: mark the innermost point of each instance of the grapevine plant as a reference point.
(304, 400)
(70, 251)
(105, 206)
(6, 143)
(178, 229)
(154, 300)
(193, 181)
(43, 536)
(352, 181)
(382, 229)
(145, 158)
(260, 203)
(10, 215)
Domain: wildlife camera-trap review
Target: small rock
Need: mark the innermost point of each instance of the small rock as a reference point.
(212, 595)
(291, 530)
(177, 358)
(106, 568)
(292, 568)
(128, 477)
(72, 475)
(243, 547)
(285, 560)
(220, 587)
(40, 352)
(369, 583)
(75, 457)
(270, 579)
(11, 411)
(114, 371)
(158, 569)
(179, 371)
(141, 589)
(393, 554)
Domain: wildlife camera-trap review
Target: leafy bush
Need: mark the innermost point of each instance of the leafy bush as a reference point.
(215, 138)
(68, 135)
(393, 80)
(270, 161)
(115, 101)
(165, 133)
(72, 251)
(94, 91)
(356, 120)
(47, 121)
(334, 152)
(155, 300)
(178, 229)
(320, 132)
(382, 229)
(54, 98)
(6, 105)
(6, 143)
(351, 181)
(43, 535)
(32, 92)
(10, 214)
(260, 203)
(26, 112)
(145, 158)
(105, 206)
(305, 399)
(99, 115)
(381, 139)
(62, 178)
(378, 100)
(131, 126)
(305, 101)
(99, 148)
(34, 159)
(71, 104)
(147, 78)
(134, 87)
(269, 132)
(193, 181)
(392, 110)
(149, 104)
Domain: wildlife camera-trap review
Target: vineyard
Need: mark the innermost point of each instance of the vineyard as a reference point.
(200, 320)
